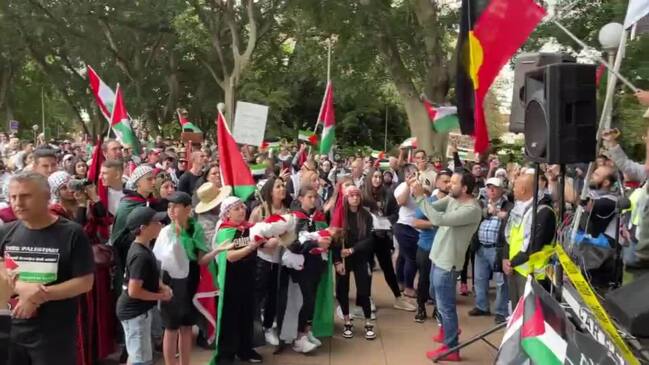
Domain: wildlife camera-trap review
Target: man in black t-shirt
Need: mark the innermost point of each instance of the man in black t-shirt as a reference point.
(54, 261)
(142, 287)
(189, 180)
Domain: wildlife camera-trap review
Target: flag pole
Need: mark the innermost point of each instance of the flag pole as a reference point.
(597, 57)
(329, 59)
(43, 110)
(110, 122)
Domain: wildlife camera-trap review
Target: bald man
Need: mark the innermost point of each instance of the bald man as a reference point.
(189, 179)
(519, 243)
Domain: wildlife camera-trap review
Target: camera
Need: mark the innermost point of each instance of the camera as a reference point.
(78, 184)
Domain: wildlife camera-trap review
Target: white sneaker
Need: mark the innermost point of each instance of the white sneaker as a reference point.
(302, 345)
(271, 337)
(314, 340)
(403, 304)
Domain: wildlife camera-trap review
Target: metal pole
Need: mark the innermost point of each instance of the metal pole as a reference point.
(43, 111)
(598, 58)
(328, 59)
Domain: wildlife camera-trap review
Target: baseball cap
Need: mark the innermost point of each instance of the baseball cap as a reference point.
(495, 182)
(142, 216)
(180, 197)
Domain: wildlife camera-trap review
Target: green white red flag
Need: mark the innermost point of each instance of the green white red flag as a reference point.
(444, 118)
(185, 124)
(104, 95)
(234, 170)
(120, 122)
(328, 119)
(308, 136)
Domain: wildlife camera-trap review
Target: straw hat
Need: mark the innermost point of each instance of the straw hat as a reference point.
(210, 196)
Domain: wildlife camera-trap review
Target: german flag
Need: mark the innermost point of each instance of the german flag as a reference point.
(490, 33)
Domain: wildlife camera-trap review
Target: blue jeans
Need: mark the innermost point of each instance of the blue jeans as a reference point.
(485, 258)
(137, 337)
(445, 284)
(407, 238)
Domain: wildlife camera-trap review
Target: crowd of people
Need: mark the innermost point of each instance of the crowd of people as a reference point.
(108, 246)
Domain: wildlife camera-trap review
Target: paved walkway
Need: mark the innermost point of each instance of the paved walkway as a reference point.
(400, 340)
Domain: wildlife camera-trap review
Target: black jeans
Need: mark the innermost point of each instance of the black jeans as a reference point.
(266, 291)
(308, 279)
(423, 284)
(361, 271)
(469, 255)
(383, 248)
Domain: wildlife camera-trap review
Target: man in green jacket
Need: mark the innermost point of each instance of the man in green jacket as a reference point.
(458, 217)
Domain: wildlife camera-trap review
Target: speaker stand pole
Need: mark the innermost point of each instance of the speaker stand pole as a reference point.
(480, 336)
(558, 272)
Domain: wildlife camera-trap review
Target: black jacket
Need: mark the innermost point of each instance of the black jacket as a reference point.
(361, 243)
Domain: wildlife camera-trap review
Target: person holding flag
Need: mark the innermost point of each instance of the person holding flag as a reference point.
(236, 280)
(181, 249)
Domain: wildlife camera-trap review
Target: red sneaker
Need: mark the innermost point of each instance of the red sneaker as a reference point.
(453, 356)
(464, 289)
(439, 338)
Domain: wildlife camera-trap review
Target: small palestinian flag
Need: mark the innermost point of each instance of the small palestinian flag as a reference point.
(257, 169)
(185, 124)
(327, 117)
(444, 118)
(380, 155)
(409, 143)
(309, 137)
(384, 165)
(270, 146)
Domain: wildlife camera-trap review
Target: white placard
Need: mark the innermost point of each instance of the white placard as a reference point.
(250, 123)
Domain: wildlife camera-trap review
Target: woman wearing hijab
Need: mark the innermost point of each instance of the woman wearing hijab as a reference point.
(236, 277)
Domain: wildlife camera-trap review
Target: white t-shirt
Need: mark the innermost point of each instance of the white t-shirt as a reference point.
(406, 212)
(114, 196)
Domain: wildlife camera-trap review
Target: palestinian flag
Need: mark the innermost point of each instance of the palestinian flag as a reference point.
(328, 119)
(270, 146)
(489, 36)
(120, 122)
(234, 170)
(257, 169)
(384, 165)
(308, 137)
(379, 155)
(444, 118)
(104, 95)
(185, 124)
(538, 332)
(409, 143)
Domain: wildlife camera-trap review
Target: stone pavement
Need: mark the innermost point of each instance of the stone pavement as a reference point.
(400, 340)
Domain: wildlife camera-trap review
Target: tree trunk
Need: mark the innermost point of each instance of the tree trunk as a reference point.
(229, 90)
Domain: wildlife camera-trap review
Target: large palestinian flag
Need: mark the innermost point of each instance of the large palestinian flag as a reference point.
(490, 33)
(234, 170)
(538, 332)
(327, 117)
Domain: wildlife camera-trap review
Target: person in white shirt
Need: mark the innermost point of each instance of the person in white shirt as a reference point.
(406, 235)
(111, 176)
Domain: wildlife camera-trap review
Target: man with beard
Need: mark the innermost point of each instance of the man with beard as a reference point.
(457, 217)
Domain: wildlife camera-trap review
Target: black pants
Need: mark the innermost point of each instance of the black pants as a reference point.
(266, 291)
(383, 248)
(407, 238)
(361, 271)
(469, 255)
(423, 284)
(238, 308)
(43, 348)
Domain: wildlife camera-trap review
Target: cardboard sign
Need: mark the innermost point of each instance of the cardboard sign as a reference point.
(250, 123)
(465, 146)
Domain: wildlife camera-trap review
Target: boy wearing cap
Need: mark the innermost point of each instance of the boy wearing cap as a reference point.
(181, 248)
(142, 286)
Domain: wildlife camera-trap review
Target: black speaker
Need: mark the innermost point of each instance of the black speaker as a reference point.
(630, 307)
(560, 113)
(525, 63)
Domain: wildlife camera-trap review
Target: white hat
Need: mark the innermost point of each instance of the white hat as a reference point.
(227, 204)
(495, 182)
(501, 172)
(210, 196)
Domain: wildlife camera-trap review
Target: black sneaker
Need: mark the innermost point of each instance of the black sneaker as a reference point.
(348, 330)
(369, 331)
(477, 312)
(250, 356)
(500, 319)
(421, 315)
